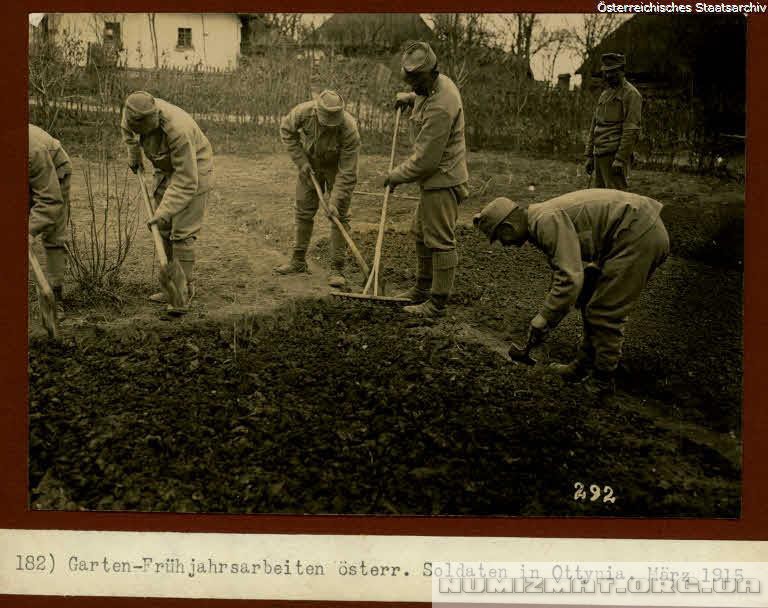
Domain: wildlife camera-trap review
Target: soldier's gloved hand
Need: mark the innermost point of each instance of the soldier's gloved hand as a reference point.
(537, 330)
(403, 101)
(391, 182)
(333, 210)
(306, 171)
(134, 166)
(162, 224)
(589, 166)
(617, 166)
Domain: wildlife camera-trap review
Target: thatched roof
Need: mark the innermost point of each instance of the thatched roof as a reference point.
(662, 48)
(371, 31)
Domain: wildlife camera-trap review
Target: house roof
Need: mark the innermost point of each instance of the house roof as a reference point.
(365, 30)
(669, 47)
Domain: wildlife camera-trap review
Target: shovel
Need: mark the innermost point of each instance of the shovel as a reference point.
(522, 354)
(46, 299)
(173, 281)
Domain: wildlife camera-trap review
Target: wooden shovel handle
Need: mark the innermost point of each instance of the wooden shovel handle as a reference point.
(37, 270)
(158, 240)
(340, 226)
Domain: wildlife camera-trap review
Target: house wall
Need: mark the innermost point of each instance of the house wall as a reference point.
(215, 37)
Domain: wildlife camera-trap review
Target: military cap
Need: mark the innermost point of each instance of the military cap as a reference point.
(139, 104)
(330, 108)
(493, 214)
(418, 57)
(612, 61)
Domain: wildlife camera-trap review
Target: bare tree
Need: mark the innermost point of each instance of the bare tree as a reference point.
(558, 42)
(525, 37)
(287, 24)
(590, 32)
(53, 70)
(153, 38)
(460, 37)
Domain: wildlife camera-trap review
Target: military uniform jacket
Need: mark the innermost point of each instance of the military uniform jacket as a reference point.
(180, 153)
(616, 122)
(49, 165)
(439, 157)
(334, 149)
(581, 228)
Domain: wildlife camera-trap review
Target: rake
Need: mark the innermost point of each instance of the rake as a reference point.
(46, 299)
(372, 282)
(350, 243)
(173, 281)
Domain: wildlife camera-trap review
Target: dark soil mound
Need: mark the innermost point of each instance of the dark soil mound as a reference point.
(327, 407)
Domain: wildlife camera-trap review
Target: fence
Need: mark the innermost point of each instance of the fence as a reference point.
(502, 111)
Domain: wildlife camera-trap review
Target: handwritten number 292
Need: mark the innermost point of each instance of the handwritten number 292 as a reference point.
(595, 493)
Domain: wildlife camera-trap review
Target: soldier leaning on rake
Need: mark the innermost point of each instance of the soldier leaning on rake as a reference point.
(322, 140)
(49, 180)
(182, 158)
(603, 246)
(438, 163)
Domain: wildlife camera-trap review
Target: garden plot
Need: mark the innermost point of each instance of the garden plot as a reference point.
(271, 397)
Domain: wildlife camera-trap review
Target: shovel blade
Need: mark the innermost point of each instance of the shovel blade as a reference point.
(173, 282)
(520, 354)
(48, 316)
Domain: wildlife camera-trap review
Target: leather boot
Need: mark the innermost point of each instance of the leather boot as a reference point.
(443, 273)
(298, 261)
(420, 292)
(574, 371)
(599, 383)
(338, 258)
(184, 253)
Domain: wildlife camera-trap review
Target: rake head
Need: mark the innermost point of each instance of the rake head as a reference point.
(47, 306)
(371, 299)
(173, 282)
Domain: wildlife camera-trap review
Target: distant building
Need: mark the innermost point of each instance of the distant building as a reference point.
(369, 33)
(147, 40)
(259, 37)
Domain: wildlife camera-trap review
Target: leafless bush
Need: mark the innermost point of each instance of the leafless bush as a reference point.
(54, 72)
(102, 233)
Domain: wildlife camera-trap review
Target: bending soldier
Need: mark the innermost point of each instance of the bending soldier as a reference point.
(323, 140)
(50, 172)
(183, 161)
(603, 246)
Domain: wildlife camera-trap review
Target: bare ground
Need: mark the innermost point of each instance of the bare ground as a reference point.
(683, 352)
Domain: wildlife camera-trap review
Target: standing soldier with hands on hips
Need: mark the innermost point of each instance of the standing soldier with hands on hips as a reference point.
(323, 141)
(50, 171)
(603, 246)
(183, 161)
(615, 127)
(438, 163)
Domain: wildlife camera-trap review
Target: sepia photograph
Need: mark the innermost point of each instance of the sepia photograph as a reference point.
(437, 264)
